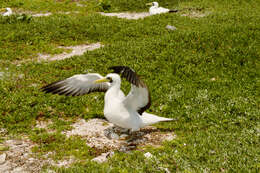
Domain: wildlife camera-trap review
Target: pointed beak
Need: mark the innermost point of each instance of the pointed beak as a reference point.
(101, 80)
(149, 4)
(2, 9)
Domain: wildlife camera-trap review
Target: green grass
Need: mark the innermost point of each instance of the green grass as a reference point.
(218, 120)
(49, 5)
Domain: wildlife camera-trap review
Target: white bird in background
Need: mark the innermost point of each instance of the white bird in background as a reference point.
(123, 111)
(8, 12)
(155, 9)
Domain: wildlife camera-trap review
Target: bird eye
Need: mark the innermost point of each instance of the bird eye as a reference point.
(110, 79)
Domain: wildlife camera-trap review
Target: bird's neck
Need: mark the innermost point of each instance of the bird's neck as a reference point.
(112, 92)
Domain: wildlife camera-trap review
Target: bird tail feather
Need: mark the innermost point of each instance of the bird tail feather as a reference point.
(173, 11)
(149, 119)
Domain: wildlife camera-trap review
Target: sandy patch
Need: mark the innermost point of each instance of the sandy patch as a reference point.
(102, 136)
(32, 14)
(21, 12)
(16, 154)
(92, 130)
(48, 14)
(105, 138)
(18, 158)
(43, 124)
(41, 14)
(127, 15)
(76, 51)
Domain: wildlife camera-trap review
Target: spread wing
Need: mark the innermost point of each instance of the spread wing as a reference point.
(139, 97)
(77, 85)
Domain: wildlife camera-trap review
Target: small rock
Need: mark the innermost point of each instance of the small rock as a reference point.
(111, 154)
(131, 147)
(2, 130)
(102, 158)
(120, 130)
(212, 152)
(148, 155)
(114, 136)
(19, 170)
(169, 137)
(18, 142)
(165, 169)
(124, 136)
(123, 149)
(170, 27)
(31, 160)
(5, 167)
(2, 158)
(20, 76)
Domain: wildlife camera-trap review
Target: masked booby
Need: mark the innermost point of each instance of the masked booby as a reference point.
(8, 12)
(124, 111)
(155, 9)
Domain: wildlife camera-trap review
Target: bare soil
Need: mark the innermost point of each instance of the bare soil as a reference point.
(127, 15)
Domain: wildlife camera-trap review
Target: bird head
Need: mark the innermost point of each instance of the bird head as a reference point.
(112, 78)
(9, 9)
(155, 4)
(6, 10)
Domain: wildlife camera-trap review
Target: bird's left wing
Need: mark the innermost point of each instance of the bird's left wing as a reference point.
(77, 85)
(139, 97)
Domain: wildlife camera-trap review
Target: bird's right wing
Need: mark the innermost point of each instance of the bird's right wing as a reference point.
(139, 97)
(77, 85)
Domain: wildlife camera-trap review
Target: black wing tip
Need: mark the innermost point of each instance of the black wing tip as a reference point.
(54, 88)
(173, 11)
(120, 68)
(46, 88)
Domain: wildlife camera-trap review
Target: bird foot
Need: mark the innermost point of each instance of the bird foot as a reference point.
(124, 137)
(117, 133)
(119, 130)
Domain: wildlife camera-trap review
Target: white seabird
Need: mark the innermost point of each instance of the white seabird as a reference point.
(124, 111)
(155, 9)
(8, 12)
